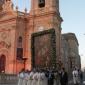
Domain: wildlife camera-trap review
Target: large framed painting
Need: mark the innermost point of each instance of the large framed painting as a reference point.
(43, 46)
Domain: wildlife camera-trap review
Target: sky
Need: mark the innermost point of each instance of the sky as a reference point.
(73, 14)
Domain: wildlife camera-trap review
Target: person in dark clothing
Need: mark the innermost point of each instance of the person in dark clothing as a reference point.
(80, 73)
(51, 78)
(63, 77)
(81, 76)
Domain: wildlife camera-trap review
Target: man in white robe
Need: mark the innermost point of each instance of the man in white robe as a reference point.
(42, 80)
(30, 78)
(35, 78)
(25, 80)
(56, 78)
(21, 77)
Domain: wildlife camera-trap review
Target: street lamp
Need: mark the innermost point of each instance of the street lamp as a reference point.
(24, 59)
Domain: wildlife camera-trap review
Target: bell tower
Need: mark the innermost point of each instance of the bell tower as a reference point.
(44, 15)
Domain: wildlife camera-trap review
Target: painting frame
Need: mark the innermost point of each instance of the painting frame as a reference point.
(52, 38)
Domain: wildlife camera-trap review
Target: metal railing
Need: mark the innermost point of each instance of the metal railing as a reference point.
(8, 79)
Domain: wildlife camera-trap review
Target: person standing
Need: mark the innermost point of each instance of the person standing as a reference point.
(42, 80)
(26, 75)
(30, 78)
(80, 73)
(21, 77)
(35, 78)
(63, 77)
(51, 78)
(75, 77)
(56, 78)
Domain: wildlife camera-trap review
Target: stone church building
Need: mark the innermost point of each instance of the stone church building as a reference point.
(15, 35)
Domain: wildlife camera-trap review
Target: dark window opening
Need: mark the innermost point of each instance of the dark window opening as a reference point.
(2, 63)
(20, 39)
(19, 53)
(41, 3)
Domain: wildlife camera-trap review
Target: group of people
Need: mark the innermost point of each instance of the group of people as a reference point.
(47, 77)
(42, 77)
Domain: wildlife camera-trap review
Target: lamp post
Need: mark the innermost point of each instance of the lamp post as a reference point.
(24, 59)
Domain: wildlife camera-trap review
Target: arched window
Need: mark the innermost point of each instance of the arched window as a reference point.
(19, 53)
(19, 42)
(2, 63)
(41, 3)
(19, 48)
(20, 39)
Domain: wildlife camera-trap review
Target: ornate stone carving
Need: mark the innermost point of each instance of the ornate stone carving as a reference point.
(3, 35)
(5, 39)
(8, 6)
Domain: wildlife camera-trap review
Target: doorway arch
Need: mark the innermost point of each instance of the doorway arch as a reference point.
(2, 63)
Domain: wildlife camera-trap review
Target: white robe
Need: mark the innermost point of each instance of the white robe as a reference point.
(30, 78)
(35, 79)
(25, 80)
(42, 80)
(75, 77)
(20, 78)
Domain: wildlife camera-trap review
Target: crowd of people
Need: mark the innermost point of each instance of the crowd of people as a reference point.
(48, 77)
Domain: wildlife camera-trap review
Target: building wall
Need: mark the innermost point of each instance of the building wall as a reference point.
(65, 53)
(72, 51)
(7, 43)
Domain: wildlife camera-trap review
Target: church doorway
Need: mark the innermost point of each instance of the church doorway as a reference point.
(2, 63)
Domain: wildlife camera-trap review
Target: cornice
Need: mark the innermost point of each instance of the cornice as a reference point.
(8, 20)
(70, 36)
(46, 14)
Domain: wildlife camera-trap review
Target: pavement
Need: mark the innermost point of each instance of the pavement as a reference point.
(71, 82)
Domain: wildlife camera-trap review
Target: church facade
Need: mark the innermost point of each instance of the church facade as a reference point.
(17, 27)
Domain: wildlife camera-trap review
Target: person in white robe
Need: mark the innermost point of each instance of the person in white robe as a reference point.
(25, 80)
(42, 80)
(35, 78)
(30, 78)
(75, 76)
(21, 77)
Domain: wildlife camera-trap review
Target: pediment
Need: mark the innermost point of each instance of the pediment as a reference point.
(6, 16)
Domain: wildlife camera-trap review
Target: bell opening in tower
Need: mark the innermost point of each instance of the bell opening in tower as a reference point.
(7, 0)
(41, 3)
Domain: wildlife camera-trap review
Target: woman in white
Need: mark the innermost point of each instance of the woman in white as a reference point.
(75, 76)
